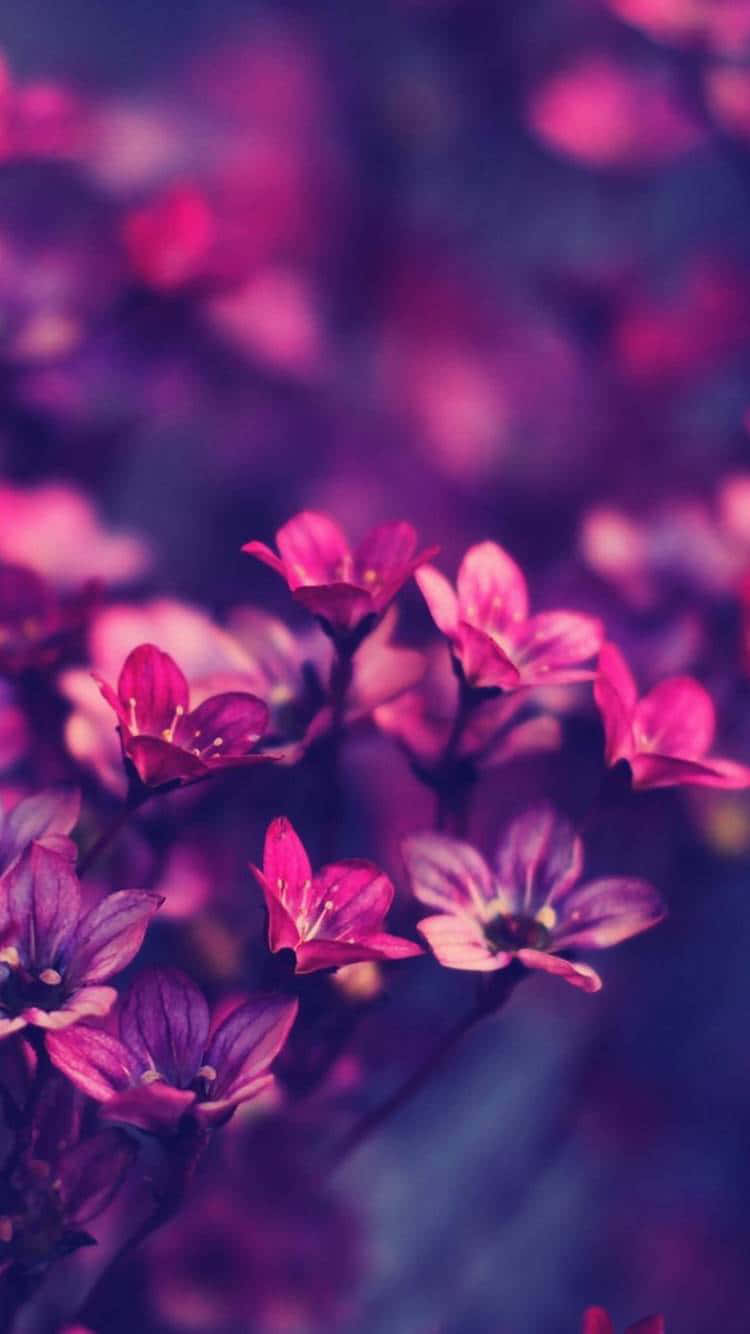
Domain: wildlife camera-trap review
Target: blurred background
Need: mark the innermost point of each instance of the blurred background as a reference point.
(485, 267)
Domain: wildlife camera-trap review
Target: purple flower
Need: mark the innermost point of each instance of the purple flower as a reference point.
(497, 643)
(530, 906)
(341, 586)
(46, 817)
(170, 1058)
(166, 741)
(53, 959)
(329, 919)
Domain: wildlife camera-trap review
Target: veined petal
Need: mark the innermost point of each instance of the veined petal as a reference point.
(110, 935)
(86, 1003)
(320, 952)
(440, 597)
(250, 1038)
(96, 1062)
(282, 930)
(217, 1111)
(538, 858)
(604, 912)
(46, 813)
(492, 593)
(354, 897)
(342, 605)
(448, 873)
(223, 725)
(651, 770)
(483, 661)
(676, 718)
(40, 896)
(159, 762)
(164, 1022)
(151, 689)
(616, 699)
(578, 974)
(549, 644)
(458, 941)
(314, 550)
(286, 867)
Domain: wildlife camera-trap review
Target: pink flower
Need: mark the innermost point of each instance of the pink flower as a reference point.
(329, 919)
(344, 588)
(529, 906)
(167, 742)
(491, 633)
(54, 958)
(169, 240)
(665, 735)
(170, 1057)
(597, 1321)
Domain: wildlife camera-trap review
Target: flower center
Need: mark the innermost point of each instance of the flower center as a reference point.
(510, 931)
(21, 989)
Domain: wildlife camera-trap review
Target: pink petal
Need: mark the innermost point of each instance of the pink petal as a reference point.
(616, 699)
(249, 1039)
(440, 597)
(266, 555)
(164, 1023)
(665, 771)
(223, 725)
(215, 1112)
(447, 873)
(604, 912)
(386, 559)
(9, 1026)
(111, 934)
(552, 643)
(596, 1321)
(41, 897)
(653, 1324)
(153, 1107)
(312, 955)
(154, 681)
(578, 974)
(385, 946)
(483, 661)
(314, 550)
(355, 897)
(458, 941)
(492, 594)
(87, 1003)
(676, 718)
(96, 1062)
(158, 762)
(538, 858)
(282, 930)
(342, 605)
(286, 865)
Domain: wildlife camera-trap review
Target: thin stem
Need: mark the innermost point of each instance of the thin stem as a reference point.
(109, 833)
(338, 690)
(453, 782)
(491, 997)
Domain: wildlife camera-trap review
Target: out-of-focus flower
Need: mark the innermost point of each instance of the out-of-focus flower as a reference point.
(724, 26)
(597, 1321)
(170, 1058)
(40, 119)
(530, 906)
(54, 530)
(491, 634)
(163, 738)
(37, 625)
(665, 735)
(169, 239)
(345, 589)
(332, 918)
(53, 959)
(604, 114)
(499, 729)
(275, 317)
(46, 818)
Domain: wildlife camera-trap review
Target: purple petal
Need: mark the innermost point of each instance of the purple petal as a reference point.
(158, 761)
(223, 725)
(457, 941)
(539, 857)
(577, 974)
(320, 953)
(40, 895)
(164, 1022)
(39, 818)
(86, 1003)
(153, 1107)
(604, 912)
(447, 873)
(152, 690)
(552, 643)
(343, 606)
(354, 897)
(111, 934)
(96, 1062)
(216, 1113)
(92, 1173)
(245, 1044)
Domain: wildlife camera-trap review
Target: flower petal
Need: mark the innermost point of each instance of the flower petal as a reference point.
(386, 559)
(538, 858)
(447, 873)
(111, 934)
(596, 1321)
(355, 897)
(156, 1108)
(36, 818)
(86, 1003)
(314, 550)
(616, 699)
(158, 762)
(40, 895)
(484, 662)
(578, 974)
(164, 1022)
(287, 874)
(604, 912)
(320, 953)
(550, 645)
(341, 605)
(266, 555)
(227, 724)
(152, 689)
(458, 941)
(96, 1062)
(92, 1172)
(492, 593)
(666, 771)
(249, 1039)
(676, 718)
(440, 597)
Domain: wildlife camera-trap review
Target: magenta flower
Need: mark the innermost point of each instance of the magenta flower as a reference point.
(666, 735)
(167, 742)
(53, 959)
(486, 619)
(37, 625)
(344, 588)
(329, 919)
(46, 817)
(597, 1321)
(170, 1058)
(530, 906)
